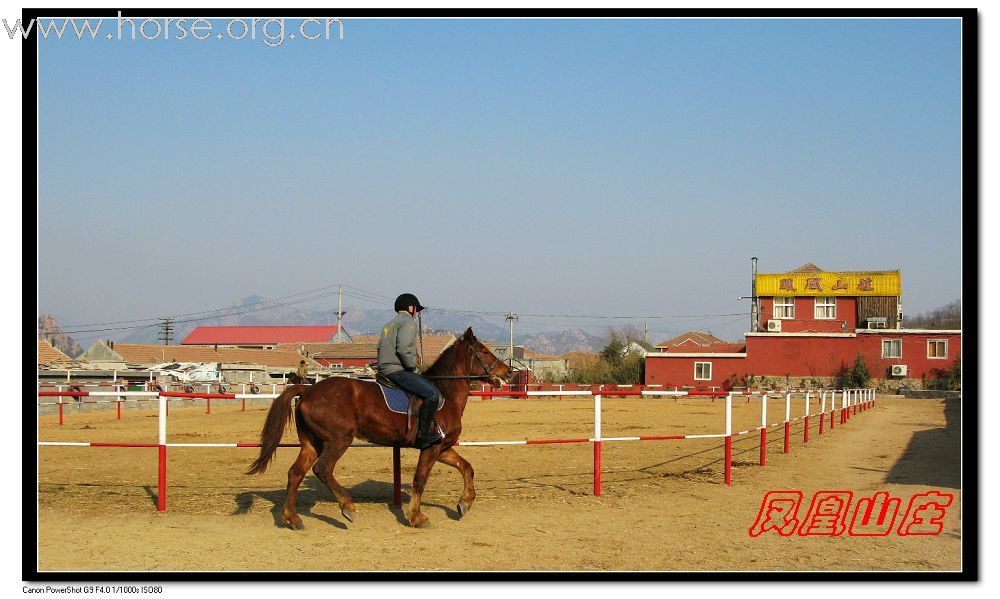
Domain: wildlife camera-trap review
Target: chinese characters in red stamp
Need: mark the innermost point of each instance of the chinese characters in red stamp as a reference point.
(830, 514)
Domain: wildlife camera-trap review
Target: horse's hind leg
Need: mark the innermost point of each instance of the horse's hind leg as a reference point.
(450, 456)
(324, 470)
(307, 457)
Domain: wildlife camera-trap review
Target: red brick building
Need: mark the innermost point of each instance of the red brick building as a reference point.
(812, 324)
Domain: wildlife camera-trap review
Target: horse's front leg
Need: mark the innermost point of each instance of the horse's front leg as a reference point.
(424, 464)
(450, 456)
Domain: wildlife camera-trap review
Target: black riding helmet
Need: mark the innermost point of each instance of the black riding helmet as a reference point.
(407, 299)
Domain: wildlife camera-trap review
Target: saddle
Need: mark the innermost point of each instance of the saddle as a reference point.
(399, 401)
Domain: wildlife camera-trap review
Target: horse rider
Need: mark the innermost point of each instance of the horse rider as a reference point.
(397, 361)
(302, 373)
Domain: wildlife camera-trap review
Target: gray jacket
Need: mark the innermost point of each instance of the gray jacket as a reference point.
(397, 346)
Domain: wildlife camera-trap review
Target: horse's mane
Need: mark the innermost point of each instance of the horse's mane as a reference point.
(449, 360)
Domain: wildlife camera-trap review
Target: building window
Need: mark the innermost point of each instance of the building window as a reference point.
(826, 308)
(892, 348)
(937, 348)
(784, 307)
(702, 371)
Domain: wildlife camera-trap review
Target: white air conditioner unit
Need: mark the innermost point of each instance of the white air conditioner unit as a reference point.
(774, 326)
(899, 370)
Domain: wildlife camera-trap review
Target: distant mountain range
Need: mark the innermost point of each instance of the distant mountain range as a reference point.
(260, 311)
(49, 329)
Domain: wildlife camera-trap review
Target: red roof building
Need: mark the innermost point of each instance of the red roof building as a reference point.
(812, 326)
(259, 337)
(690, 339)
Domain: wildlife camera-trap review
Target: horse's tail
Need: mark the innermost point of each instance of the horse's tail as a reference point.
(274, 428)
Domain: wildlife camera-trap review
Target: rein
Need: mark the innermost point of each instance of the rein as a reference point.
(487, 370)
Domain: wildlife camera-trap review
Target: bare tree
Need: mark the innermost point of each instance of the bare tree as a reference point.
(948, 316)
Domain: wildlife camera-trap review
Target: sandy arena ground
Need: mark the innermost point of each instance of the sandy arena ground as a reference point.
(664, 505)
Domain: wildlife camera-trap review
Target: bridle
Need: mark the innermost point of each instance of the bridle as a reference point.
(487, 370)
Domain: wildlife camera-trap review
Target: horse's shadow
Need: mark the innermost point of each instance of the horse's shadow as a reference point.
(313, 492)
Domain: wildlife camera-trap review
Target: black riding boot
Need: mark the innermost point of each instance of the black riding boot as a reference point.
(427, 432)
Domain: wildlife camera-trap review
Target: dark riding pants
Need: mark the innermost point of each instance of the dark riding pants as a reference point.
(418, 385)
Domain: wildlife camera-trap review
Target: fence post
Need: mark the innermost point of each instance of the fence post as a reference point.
(597, 445)
(822, 410)
(729, 438)
(397, 478)
(788, 420)
(805, 433)
(161, 495)
(60, 406)
(763, 429)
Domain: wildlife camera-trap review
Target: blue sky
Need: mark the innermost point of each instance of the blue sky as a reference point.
(609, 167)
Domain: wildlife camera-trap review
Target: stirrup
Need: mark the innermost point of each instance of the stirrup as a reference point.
(434, 436)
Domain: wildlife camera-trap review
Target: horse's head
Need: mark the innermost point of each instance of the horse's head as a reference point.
(484, 362)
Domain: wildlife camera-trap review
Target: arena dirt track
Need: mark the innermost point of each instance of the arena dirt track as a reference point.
(664, 505)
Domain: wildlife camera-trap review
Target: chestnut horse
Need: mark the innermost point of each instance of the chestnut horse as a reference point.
(334, 411)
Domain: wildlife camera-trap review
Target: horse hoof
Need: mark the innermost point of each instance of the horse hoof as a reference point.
(463, 508)
(349, 514)
(421, 522)
(294, 524)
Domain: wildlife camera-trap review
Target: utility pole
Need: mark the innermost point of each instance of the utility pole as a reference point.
(754, 300)
(645, 331)
(166, 330)
(341, 336)
(511, 317)
(754, 306)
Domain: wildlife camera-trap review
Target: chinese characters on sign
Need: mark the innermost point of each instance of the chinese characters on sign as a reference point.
(877, 283)
(828, 514)
(814, 284)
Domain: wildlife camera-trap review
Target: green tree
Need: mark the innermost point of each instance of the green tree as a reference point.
(618, 362)
(858, 375)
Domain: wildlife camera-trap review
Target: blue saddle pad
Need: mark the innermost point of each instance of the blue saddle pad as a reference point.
(395, 399)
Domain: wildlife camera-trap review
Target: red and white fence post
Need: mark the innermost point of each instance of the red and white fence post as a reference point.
(822, 410)
(729, 438)
(119, 402)
(805, 432)
(597, 445)
(788, 421)
(161, 495)
(763, 429)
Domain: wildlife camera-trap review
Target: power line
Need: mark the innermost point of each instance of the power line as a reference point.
(360, 294)
(235, 313)
(201, 312)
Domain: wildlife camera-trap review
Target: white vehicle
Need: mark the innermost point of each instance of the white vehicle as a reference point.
(188, 372)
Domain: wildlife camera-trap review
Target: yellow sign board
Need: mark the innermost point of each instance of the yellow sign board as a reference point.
(884, 283)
